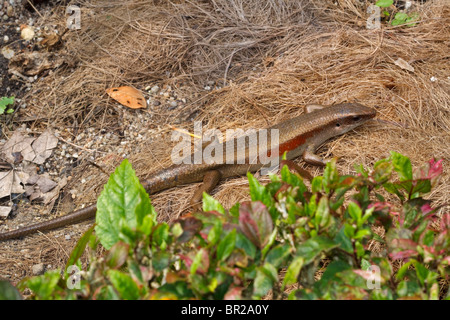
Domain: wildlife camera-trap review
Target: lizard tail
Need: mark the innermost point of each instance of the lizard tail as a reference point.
(78, 216)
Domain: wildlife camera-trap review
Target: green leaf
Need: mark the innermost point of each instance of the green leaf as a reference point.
(211, 204)
(160, 235)
(9, 292)
(242, 242)
(313, 248)
(258, 192)
(293, 272)
(200, 262)
(160, 260)
(266, 275)
(122, 203)
(294, 180)
(124, 284)
(215, 233)
(4, 102)
(226, 246)
(355, 212)
(44, 287)
(384, 3)
(402, 165)
(316, 184)
(400, 18)
(330, 175)
(278, 255)
(322, 216)
(77, 252)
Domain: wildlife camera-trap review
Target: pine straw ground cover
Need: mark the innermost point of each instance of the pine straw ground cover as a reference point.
(264, 61)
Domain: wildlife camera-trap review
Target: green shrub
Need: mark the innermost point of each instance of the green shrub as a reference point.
(318, 236)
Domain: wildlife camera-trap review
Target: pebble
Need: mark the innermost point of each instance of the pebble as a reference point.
(174, 104)
(38, 269)
(9, 11)
(5, 39)
(156, 103)
(67, 237)
(154, 89)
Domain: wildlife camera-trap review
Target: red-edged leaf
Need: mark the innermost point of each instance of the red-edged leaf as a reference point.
(255, 222)
(402, 254)
(234, 293)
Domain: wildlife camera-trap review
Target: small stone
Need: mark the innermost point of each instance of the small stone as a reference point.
(10, 11)
(156, 103)
(67, 237)
(207, 88)
(5, 17)
(5, 39)
(38, 269)
(154, 89)
(174, 104)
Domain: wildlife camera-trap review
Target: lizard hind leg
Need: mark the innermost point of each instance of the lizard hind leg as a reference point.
(210, 180)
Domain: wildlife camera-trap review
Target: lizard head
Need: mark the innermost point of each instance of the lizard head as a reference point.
(350, 115)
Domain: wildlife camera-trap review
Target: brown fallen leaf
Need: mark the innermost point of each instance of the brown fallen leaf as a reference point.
(31, 149)
(18, 143)
(128, 96)
(11, 182)
(33, 63)
(4, 212)
(43, 146)
(404, 65)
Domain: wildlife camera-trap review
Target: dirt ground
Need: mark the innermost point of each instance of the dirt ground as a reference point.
(227, 63)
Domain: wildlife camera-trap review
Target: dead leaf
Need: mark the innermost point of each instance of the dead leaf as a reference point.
(19, 143)
(10, 182)
(128, 96)
(404, 65)
(33, 63)
(51, 40)
(43, 146)
(45, 183)
(50, 197)
(31, 149)
(4, 212)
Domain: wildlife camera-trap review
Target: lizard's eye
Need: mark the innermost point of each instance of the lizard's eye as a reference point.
(338, 124)
(356, 118)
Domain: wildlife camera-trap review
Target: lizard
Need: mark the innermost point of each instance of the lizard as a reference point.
(298, 136)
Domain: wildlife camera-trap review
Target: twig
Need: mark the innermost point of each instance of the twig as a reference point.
(79, 147)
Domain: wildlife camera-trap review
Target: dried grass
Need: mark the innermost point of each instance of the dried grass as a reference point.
(270, 58)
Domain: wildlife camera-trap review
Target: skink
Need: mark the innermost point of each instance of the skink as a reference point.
(299, 136)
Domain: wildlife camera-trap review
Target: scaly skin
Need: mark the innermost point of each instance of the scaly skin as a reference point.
(301, 135)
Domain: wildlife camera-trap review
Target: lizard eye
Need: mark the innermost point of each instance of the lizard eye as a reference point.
(356, 118)
(338, 124)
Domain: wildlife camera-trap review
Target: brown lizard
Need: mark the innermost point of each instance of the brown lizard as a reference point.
(299, 136)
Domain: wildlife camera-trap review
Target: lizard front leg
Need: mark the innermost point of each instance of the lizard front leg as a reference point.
(310, 157)
(210, 180)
